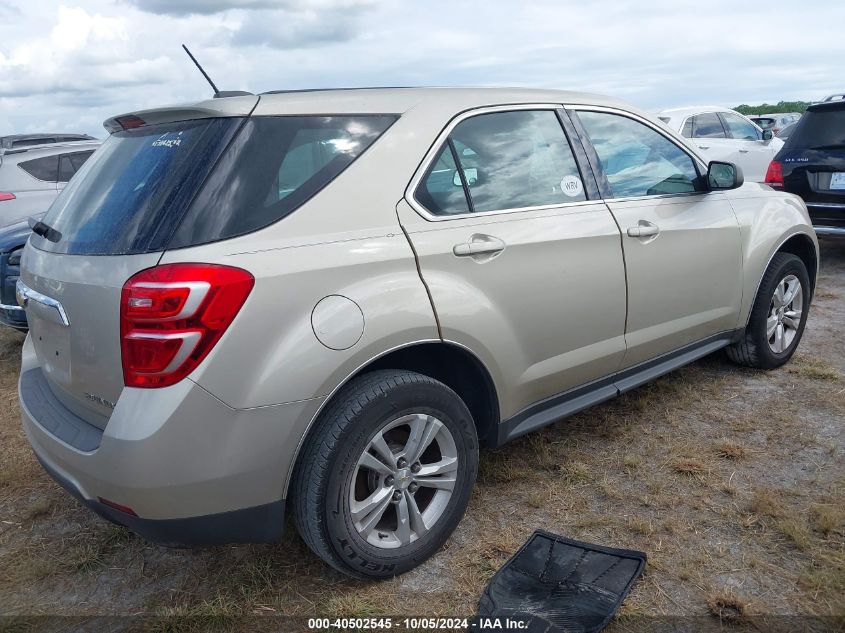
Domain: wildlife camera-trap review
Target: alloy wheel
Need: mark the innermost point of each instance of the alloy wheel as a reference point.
(403, 481)
(785, 309)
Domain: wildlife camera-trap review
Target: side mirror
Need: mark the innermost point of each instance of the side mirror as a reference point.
(768, 135)
(470, 174)
(722, 176)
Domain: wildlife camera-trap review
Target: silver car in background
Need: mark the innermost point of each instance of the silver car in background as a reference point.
(32, 175)
(324, 302)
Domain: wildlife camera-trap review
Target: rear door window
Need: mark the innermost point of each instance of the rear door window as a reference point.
(46, 168)
(707, 125)
(69, 164)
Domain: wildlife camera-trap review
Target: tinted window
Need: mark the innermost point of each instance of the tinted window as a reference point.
(513, 160)
(273, 166)
(820, 129)
(46, 169)
(66, 169)
(69, 164)
(739, 128)
(173, 185)
(637, 160)
(441, 191)
(78, 159)
(687, 131)
(129, 196)
(707, 125)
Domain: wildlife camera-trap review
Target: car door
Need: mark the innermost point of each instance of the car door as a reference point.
(711, 137)
(521, 258)
(681, 243)
(753, 153)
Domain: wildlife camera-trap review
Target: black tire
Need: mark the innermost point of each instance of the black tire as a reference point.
(754, 349)
(327, 463)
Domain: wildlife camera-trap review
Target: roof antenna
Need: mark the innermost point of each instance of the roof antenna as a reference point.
(204, 74)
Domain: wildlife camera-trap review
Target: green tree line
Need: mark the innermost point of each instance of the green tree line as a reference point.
(766, 108)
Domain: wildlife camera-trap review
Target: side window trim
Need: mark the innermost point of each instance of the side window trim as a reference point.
(585, 169)
(443, 137)
(461, 174)
(595, 163)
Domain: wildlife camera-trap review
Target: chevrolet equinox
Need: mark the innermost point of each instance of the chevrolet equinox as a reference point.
(326, 301)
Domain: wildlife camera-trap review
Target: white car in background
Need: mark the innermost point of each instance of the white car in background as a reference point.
(725, 135)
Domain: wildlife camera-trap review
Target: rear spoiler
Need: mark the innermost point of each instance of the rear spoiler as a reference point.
(241, 105)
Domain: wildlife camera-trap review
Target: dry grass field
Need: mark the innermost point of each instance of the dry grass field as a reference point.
(733, 482)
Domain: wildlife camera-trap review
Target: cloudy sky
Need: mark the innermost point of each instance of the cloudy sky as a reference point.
(66, 66)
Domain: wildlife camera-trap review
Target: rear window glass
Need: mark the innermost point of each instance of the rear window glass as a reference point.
(275, 165)
(46, 169)
(188, 183)
(819, 130)
(132, 192)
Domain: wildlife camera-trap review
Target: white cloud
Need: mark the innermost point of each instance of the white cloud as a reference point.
(74, 64)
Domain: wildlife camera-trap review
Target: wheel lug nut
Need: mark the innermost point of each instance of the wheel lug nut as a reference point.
(413, 487)
(416, 467)
(397, 496)
(388, 481)
(402, 463)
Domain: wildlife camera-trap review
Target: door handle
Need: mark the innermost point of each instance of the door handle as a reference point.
(643, 229)
(743, 151)
(703, 147)
(479, 244)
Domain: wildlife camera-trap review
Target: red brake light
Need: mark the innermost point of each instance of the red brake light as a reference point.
(774, 175)
(171, 317)
(4, 195)
(130, 122)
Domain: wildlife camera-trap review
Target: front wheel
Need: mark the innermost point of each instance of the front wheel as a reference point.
(386, 475)
(778, 316)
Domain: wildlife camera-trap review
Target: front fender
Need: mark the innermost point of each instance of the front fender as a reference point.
(767, 219)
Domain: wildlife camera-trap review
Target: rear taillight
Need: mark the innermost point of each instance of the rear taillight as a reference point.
(171, 316)
(774, 175)
(5, 195)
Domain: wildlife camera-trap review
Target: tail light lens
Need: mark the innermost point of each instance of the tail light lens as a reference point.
(774, 175)
(171, 317)
(5, 195)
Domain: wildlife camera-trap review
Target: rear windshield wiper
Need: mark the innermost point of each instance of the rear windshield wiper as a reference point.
(44, 230)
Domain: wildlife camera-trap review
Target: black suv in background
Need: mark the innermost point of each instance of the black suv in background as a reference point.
(812, 164)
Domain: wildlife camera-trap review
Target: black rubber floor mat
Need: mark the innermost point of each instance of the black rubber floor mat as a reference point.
(556, 584)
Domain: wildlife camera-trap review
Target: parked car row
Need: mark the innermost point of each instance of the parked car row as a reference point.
(722, 134)
(811, 164)
(34, 168)
(775, 122)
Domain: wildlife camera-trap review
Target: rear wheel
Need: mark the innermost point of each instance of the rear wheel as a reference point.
(778, 316)
(386, 475)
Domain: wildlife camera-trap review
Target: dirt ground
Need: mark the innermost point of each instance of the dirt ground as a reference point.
(732, 480)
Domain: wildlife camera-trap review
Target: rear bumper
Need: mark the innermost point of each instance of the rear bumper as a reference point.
(260, 524)
(193, 470)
